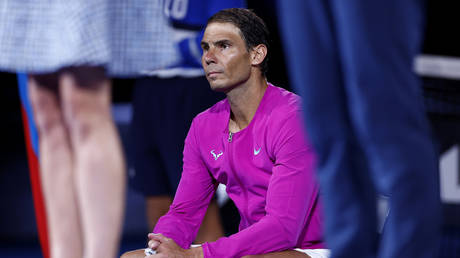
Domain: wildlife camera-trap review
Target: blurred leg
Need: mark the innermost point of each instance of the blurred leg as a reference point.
(56, 165)
(314, 64)
(385, 102)
(99, 162)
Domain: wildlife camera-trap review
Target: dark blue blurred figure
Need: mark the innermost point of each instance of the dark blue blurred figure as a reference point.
(352, 63)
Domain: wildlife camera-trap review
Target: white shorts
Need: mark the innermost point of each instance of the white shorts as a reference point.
(315, 253)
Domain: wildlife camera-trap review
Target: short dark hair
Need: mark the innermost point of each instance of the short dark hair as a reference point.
(252, 27)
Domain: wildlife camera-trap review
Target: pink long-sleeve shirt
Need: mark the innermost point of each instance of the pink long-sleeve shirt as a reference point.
(268, 171)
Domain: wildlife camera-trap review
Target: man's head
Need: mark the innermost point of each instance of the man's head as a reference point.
(235, 47)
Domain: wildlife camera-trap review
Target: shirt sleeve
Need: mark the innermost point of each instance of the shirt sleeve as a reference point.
(195, 190)
(292, 193)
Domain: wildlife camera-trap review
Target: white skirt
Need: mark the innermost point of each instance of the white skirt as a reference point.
(125, 36)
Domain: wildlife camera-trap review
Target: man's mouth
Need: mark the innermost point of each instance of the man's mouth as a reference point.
(212, 73)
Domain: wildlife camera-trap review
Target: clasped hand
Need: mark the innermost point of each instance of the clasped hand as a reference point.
(167, 247)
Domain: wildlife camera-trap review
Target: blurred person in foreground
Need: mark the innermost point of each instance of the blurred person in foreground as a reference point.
(352, 63)
(69, 49)
(253, 142)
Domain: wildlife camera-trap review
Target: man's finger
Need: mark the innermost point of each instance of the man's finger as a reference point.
(154, 244)
(162, 249)
(158, 237)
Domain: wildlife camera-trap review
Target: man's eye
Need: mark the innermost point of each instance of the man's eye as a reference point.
(223, 45)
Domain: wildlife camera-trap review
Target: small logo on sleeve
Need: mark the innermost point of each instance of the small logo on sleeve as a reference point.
(256, 152)
(216, 156)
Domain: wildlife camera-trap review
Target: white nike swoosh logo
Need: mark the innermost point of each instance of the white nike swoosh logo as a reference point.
(257, 151)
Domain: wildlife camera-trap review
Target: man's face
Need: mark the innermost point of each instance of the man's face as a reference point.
(226, 61)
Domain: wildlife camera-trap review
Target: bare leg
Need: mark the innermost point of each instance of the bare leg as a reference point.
(139, 253)
(155, 207)
(99, 163)
(56, 172)
(211, 228)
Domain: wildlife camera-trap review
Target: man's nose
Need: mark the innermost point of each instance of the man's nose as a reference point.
(209, 57)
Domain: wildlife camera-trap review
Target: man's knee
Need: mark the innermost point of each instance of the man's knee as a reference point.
(139, 253)
(281, 254)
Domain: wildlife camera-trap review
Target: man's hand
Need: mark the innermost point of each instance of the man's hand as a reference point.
(166, 247)
(153, 243)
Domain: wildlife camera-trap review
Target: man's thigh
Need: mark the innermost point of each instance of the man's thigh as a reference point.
(283, 254)
(139, 253)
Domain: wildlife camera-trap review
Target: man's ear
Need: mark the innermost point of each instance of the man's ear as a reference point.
(258, 54)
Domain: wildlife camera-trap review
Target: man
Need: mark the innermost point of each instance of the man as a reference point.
(179, 92)
(252, 142)
(364, 113)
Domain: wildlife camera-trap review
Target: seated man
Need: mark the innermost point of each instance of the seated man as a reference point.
(254, 143)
